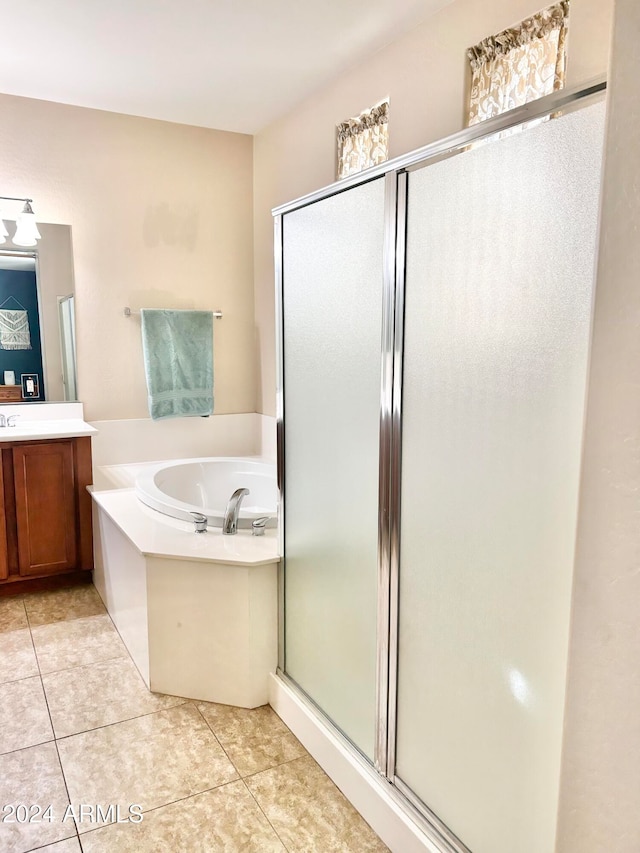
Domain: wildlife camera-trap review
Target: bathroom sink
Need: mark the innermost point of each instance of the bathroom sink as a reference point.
(37, 430)
(31, 426)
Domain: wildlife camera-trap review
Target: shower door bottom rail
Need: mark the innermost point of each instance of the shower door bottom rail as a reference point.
(394, 790)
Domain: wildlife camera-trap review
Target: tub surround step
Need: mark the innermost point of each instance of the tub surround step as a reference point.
(197, 612)
(157, 535)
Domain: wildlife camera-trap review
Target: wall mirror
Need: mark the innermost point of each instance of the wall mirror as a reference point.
(37, 319)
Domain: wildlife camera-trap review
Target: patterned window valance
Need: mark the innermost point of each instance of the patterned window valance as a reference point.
(520, 64)
(363, 141)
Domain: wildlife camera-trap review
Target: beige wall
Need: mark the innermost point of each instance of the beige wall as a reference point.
(600, 790)
(161, 216)
(424, 74)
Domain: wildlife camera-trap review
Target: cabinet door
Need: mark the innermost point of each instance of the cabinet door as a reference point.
(45, 507)
(4, 555)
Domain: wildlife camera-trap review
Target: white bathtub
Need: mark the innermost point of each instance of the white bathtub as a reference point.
(198, 614)
(205, 485)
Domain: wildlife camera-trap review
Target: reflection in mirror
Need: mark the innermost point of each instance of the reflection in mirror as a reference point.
(37, 321)
(67, 320)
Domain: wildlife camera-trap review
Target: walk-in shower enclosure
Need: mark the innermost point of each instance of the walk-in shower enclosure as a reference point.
(434, 330)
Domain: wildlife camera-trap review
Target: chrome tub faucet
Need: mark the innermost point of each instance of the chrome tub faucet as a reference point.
(230, 523)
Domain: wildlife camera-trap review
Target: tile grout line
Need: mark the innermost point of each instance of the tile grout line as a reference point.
(107, 725)
(117, 630)
(217, 739)
(126, 656)
(164, 805)
(14, 631)
(181, 702)
(275, 766)
(242, 779)
(16, 680)
(20, 748)
(255, 799)
(80, 665)
(55, 740)
(126, 719)
(53, 731)
(51, 843)
(27, 627)
(65, 668)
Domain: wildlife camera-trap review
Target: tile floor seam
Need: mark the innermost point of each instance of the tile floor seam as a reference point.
(109, 699)
(274, 766)
(73, 618)
(31, 746)
(129, 655)
(125, 720)
(80, 665)
(211, 729)
(50, 844)
(242, 779)
(38, 676)
(15, 680)
(53, 731)
(26, 613)
(255, 773)
(164, 805)
(253, 796)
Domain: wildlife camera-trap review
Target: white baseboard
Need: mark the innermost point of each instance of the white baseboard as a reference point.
(375, 798)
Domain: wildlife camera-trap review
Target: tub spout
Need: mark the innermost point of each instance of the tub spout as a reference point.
(230, 523)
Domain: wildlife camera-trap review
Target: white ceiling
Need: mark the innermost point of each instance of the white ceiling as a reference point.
(227, 64)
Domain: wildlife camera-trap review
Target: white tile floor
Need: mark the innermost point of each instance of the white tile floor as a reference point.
(78, 727)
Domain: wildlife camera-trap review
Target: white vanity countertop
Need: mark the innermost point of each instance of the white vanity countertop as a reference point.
(157, 535)
(37, 430)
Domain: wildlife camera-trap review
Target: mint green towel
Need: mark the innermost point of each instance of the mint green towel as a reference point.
(178, 362)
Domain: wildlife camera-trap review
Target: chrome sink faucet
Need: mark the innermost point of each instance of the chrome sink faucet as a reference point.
(11, 420)
(230, 523)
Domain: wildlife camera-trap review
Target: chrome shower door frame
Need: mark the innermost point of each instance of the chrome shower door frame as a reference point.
(390, 423)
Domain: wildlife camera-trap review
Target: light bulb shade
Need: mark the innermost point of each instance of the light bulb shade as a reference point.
(26, 229)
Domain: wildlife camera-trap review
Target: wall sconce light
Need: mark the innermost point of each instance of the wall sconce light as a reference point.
(26, 229)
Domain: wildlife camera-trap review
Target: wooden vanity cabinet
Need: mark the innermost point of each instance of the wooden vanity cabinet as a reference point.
(46, 511)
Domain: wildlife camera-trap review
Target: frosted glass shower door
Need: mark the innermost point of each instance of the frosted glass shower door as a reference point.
(332, 310)
(501, 245)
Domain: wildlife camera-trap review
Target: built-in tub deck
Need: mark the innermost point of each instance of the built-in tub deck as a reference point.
(197, 612)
